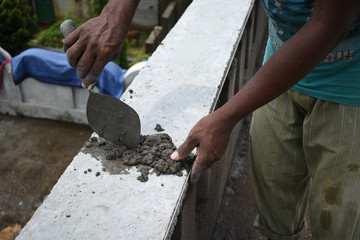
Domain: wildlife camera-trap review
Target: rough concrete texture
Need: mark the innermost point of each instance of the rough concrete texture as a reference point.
(100, 205)
(151, 156)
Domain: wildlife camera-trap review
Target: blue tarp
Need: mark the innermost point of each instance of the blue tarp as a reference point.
(4, 59)
(52, 67)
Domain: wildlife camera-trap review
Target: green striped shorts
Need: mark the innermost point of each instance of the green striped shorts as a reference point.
(305, 152)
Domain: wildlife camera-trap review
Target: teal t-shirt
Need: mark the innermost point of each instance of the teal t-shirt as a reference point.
(337, 77)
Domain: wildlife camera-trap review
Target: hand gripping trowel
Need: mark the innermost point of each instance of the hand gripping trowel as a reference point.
(108, 116)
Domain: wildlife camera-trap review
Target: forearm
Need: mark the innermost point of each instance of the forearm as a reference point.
(296, 58)
(288, 65)
(121, 11)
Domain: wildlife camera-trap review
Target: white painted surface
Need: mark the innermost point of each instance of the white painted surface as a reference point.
(80, 9)
(176, 88)
(147, 13)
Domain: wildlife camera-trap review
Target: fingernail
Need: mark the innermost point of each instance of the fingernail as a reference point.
(174, 155)
(83, 85)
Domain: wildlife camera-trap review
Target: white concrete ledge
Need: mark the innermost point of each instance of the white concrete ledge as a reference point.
(179, 86)
(86, 206)
(182, 80)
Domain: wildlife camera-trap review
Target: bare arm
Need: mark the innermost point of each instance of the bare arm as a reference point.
(91, 46)
(328, 25)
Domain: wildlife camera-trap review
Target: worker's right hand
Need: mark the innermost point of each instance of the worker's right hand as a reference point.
(98, 41)
(91, 46)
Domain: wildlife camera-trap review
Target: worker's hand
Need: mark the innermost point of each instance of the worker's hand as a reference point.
(91, 46)
(98, 41)
(210, 136)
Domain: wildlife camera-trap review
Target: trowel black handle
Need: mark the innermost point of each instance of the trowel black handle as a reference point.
(67, 27)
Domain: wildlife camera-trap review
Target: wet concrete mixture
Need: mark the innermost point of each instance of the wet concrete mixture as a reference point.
(151, 156)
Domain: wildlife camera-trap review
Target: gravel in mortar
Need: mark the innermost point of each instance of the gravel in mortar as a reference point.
(152, 155)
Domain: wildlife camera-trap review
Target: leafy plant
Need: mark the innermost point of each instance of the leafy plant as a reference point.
(98, 6)
(122, 59)
(17, 25)
(52, 37)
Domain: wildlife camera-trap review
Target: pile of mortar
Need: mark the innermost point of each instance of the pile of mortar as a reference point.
(152, 155)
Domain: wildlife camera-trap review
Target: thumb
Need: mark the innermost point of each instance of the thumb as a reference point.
(184, 149)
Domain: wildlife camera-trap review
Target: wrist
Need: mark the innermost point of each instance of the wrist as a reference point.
(225, 117)
(120, 10)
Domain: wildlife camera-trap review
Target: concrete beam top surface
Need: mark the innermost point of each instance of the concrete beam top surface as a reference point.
(179, 85)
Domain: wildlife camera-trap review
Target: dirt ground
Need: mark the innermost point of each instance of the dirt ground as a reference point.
(33, 155)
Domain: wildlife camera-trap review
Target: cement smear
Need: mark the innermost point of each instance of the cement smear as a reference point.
(151, 156)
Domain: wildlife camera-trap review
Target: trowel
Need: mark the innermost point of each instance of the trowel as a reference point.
(108, 116)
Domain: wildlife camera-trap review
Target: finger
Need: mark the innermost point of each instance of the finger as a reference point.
(195, 172)
(115, 55)
(199, 166)
(203, 161)
(94, 72)
(184, 149)
(70, 40)
(84, 64)
(74, 53)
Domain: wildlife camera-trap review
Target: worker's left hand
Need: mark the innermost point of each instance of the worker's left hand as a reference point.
(210, 136)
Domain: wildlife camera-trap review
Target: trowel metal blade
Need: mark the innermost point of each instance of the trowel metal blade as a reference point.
(113, 120)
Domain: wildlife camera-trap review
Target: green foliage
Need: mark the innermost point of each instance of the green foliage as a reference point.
(17, 25)
(137, 52)
(52, 37)
(122, 59)
(98, 6)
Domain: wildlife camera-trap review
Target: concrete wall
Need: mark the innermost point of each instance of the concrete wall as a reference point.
(203, 61)
(79, 9)
(147, 14)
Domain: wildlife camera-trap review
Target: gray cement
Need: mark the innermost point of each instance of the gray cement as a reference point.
(151, 156)
(113, 119)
